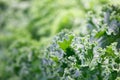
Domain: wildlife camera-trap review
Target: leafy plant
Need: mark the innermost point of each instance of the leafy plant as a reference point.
(92, 57)
(26, 29)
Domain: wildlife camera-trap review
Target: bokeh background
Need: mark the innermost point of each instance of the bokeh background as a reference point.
(27, 27)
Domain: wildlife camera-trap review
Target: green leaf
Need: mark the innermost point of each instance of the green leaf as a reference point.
(66, 43)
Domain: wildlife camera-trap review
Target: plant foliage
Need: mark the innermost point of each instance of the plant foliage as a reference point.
(95, 56)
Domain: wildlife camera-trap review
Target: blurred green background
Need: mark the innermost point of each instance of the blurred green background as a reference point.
(28, 26)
